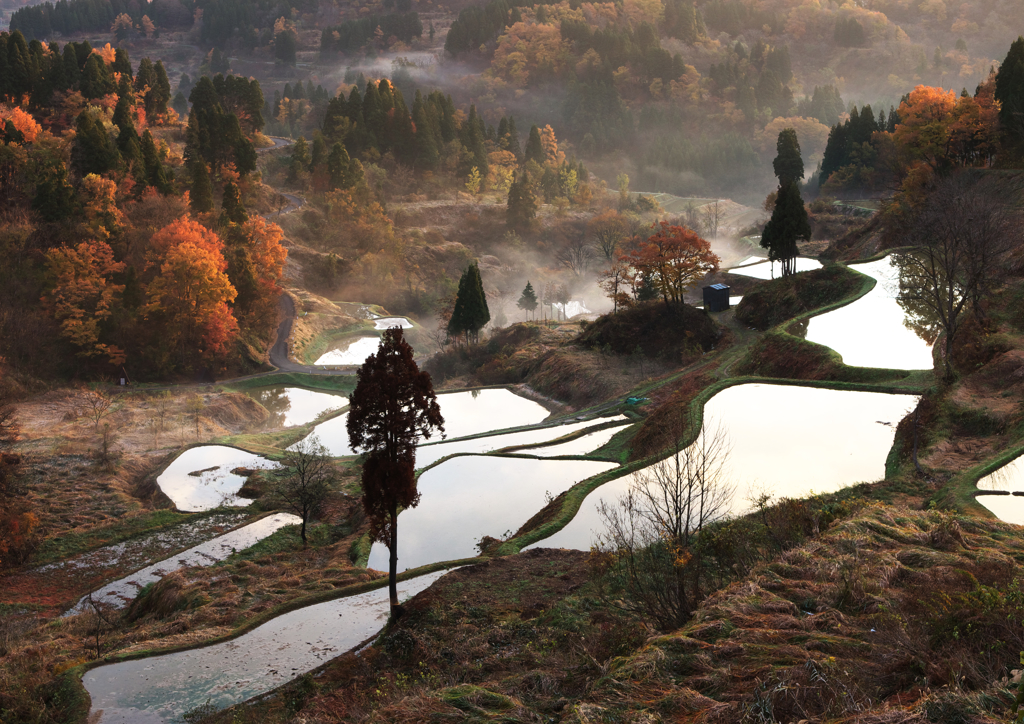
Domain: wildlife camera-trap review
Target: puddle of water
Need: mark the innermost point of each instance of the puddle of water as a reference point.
(428, 454)
(389, 322)
(581, 445)
(469, 497)
(290, 406)
(871, 331)
(354, 354)
(162, 688)
(1010, 477)
(465, 413)
(788, 441)
(773, 270)
(121, 592)
(214, 484)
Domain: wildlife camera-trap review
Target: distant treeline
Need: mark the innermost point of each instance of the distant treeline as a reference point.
(221, 19)
(354, 34)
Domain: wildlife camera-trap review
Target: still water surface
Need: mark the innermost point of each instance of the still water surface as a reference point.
(773, 270)
(201, 478)
(465, 413)
(162, 688)
(466, 498)
(871, 332)
(1010, 477)
(290, 406)
(787, 441)
(354, 353)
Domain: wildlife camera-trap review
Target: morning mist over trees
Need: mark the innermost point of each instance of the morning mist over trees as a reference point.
(408, 361)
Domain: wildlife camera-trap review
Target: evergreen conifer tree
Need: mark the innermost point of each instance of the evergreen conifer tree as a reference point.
(1009, 92)
(522, 204)
(201, 193)
(300, 159)
(54, 198)
(470, 314)
(788, 225)
(338, 167)
(156, 174)
(231, 204)
(93, 151)
(788, 164)
(528, 300)
(534, 149)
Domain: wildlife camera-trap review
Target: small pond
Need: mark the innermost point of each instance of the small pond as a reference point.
(871, 332)
(466, 498)
(773, 270)
(465, 413)
(354, 353)
(290, 406)
(162, 688)
(785, 440)
(389, 322)
(201, 478)
(1010, 478)
(119, 593)
(427, 454)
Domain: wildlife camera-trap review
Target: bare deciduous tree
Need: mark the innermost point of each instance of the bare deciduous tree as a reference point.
(306, 488)
(711, 218)
(653, 529)
(963, 234)
(576, 255)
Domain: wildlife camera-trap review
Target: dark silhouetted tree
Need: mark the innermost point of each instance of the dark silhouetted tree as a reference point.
(528, 300)
(393, 405)
(788, 164)
(470, 313)
(788, 225)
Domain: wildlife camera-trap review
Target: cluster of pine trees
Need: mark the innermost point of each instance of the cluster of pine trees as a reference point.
(758, 81)
(37, 71)
(850, 143)
(353, 35)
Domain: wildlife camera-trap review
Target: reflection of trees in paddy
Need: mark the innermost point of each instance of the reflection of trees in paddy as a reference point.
(911, 289)
(277, 403)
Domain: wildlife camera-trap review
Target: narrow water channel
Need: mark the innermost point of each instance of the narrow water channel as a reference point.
(162, 688)
(120, 593)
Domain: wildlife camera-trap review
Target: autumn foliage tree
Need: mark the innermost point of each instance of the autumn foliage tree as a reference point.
(392, 407)
(190, 295)
(673, 258)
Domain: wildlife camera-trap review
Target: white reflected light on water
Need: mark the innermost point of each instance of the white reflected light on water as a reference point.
(871, 332)
(465, 413)
(467, 498)
(354, 353)
(201, 478)
(162, 688)
(787, 441)
(1010, 478)
(290, 406)
(773, 269)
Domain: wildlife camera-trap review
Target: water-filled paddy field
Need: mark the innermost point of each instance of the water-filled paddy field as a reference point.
(289, 406)
(201, 477)
(784, 440)
(162, 688)
(1009, 479)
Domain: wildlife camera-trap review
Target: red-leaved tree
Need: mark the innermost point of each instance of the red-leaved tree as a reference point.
(392, 406)
(674, 258)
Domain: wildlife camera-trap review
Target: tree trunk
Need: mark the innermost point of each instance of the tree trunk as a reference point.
(302, 531)
(393, 562)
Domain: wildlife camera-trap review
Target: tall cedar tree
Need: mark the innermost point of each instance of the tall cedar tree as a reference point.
(788, 164)
(522, 204)
(528, 301)
(534, 149)
(470, 313)
(788, 225)
(393, 405)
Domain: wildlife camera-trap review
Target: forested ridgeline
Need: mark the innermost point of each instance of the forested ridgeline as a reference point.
(110, 220)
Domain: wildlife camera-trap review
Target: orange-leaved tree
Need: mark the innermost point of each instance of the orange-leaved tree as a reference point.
(190, 295)
(673, 259)
(392, 406)
(81, 295)
(925, 118)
